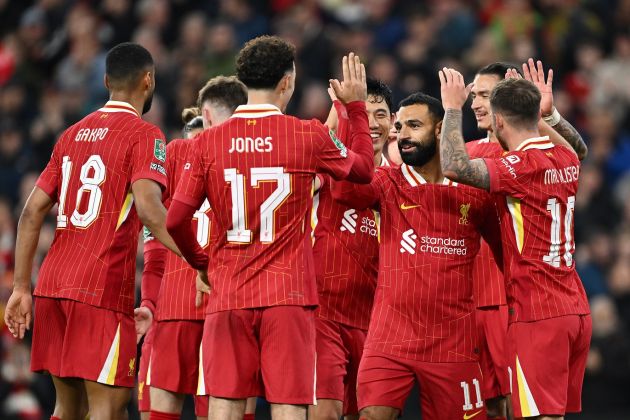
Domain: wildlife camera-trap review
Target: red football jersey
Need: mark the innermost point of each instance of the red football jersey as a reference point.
(539, 181)
(257, 171)
(430, 233)
(346, 258)
(93, 255)
(176, 299)
(488, 281)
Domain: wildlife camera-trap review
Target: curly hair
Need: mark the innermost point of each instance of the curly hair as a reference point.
(189, 113)
(264, 61)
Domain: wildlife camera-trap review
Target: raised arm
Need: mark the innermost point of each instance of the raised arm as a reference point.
(456, 164)
(19, 310)
(358, 196)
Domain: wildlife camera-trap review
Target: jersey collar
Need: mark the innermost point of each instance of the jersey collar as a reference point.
(119, 106)
(414, 178)
(256, 111)
(384, 161)
(535, 143)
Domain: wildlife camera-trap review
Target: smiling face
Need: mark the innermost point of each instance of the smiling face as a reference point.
(380, 121)
(417, 134)
(483, 85)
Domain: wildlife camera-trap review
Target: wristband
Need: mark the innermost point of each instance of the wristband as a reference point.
(554, 118)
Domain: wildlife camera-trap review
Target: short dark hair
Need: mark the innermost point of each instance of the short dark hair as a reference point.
(264, 61)
(188, 114)
(498, 69)
(225, 91)
(125, 63)
(518, 101)
(419, 98)
(380, 91)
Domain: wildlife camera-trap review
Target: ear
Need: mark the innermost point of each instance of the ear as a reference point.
(106, 82)
(148, 80)
(206, 114)
(438, 129)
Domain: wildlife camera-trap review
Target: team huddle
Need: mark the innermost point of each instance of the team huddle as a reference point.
(310, 263)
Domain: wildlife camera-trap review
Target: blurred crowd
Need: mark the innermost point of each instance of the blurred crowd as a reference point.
(52, 61)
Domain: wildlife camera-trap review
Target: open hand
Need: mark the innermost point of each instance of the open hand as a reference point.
(454, 91)
(354, 84)
(143, 318)
(535, 74)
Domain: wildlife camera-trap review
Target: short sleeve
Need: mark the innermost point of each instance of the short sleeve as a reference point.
(331, 154)
(191, 187)
(511, 174)
(149, 157)
(49, 179)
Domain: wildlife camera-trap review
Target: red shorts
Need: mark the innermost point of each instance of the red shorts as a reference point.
(144, 375)
(175, 357)
(339, 349)
(201, 405)
(447, 390)
(492, 324)
(250, 351)
(73, 339)
(547, 362)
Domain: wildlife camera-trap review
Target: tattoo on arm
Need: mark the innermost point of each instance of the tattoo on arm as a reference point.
(571, 135)
(456, 164)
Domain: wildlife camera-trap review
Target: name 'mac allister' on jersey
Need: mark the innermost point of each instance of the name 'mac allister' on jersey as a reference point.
(176, 298)
(538, 181)
(257, 171)
(488, 281)
(93, 255)
(346, 258)
(430, 233)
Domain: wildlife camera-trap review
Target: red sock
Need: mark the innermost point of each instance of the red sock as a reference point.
(158, 415)
(248, 416)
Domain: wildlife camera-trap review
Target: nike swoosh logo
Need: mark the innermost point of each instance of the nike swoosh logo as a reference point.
(403, 206)
(466, 416)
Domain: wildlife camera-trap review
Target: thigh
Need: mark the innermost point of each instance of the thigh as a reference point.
(539, 361)
(175, 358)
(450, 390)
(354, 342)
(231, 355)
(106, 401)
(332, 360)
(287, 351)
(383, 381)
(70, 398)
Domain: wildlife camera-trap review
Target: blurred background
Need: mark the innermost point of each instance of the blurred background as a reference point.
(52, 60)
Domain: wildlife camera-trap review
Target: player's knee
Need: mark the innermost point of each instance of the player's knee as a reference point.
(70, 411)
(495, 407)
(378, 413)
(325, 411)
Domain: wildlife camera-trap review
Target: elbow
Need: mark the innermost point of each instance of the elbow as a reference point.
(449, 171)
(147, 219)
(582, 154)
(368, 177)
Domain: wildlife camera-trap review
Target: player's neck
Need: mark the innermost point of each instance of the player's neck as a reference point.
(519, 136)
(431, 171)
(264, 96)
(136, 102)
(492, 138)
(378, 158)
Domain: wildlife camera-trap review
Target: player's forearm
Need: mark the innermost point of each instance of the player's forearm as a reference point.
(454, 159)
(154, 264)
(353, 195)
(29, 226)
(362, 170)
(155, 221)
(570, 136)
(179, 225)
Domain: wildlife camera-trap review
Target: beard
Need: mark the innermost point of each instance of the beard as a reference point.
(419, 156)
(147, 104)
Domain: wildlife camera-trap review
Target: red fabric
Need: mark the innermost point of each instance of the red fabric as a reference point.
(488, 280)
(362, 168)
(249, 417)
(386, 380)
(339, 350)
(144, 389)
(179, 225)
(54, 418)
(201, 406)
(158, 415)
(175, 356)
(177, 292)
(73, 339)
(492, 323)
(542, 281)
(433, 231)
(154, 263)
(95, 264)
(555, 383)
(276, 354)
(256, 261)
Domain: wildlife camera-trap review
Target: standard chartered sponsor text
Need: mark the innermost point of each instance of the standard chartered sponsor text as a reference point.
(446, 246)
